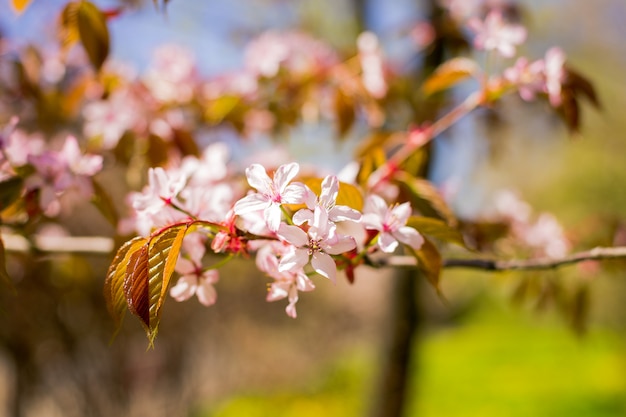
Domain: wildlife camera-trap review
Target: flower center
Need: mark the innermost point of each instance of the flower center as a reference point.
(314, 246)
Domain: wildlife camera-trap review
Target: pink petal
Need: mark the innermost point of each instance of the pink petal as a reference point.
(293, 235)
(293, 194)
(387, 243)
(324, 265)
(330, 189)
(284, 174)
(302, 216)
(273, 216)
(342, 245)
(258, 179)
(402, 213)
(294, 261)
(409, 236)
(250, 203)
(375, 205)
(206, 294)
(342, 213)
(184, 288)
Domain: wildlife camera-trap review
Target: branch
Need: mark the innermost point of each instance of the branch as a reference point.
(595, 254)
(104, 246)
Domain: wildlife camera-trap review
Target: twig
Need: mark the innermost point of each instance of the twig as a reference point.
(596, 254)
(104, 246)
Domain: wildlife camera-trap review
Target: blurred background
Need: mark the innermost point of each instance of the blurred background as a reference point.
(492, 349)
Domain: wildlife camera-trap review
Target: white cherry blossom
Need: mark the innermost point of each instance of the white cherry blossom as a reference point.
(272, 193)
(391, 223)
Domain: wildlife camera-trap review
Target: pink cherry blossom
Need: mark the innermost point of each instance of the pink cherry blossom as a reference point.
(326, 201)
(272, 193)
(391, 223)
(495, 34)
(317, 244)
(286, 283)
(372, 66)
(528, 77)
(297, 52)
(161, 191)
(109, 119)
(172, 77)
(194, 279)
(555, 74)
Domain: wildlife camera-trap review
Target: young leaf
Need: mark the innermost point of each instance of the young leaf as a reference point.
(20, 5)
(163, 254)
(425, 197)
(344, 113)
(10, 191)
(349, 195)
(93, 32)
(102, 200)
(429, 262)
(114, 294)
(437, 228)
(449, 74)
(136, 285)
(5, 279)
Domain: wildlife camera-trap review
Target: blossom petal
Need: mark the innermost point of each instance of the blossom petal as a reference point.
(341, 245)
(206, 294)
(250, 203)
(284, 174)
(387, 243)
(324, 265)
(342, 213)
(409, 236)
(294, 261)
(258, 179)
(293, 194)
(302, 216)
(330, 189)
(185, 288)
(401, 213)
(293, 235)
(375, 205)
(273, 216)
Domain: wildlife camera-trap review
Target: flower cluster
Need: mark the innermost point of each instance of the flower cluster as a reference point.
(294, 231)
(47, 173)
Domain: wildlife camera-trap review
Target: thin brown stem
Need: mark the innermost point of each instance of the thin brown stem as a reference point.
(595, 254)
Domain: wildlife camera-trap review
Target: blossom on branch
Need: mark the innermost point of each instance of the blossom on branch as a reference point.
(272, 193)
(195, 280)
(494, 33)
(391, 224)
(326, 201)
(315, 245)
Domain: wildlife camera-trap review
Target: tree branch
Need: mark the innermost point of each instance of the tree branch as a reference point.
(595, 254)
(104, 246)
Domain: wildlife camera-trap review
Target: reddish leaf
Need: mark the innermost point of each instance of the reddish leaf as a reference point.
(437, 228)
(20, 5)
(93, 32)
(425, 197)
(429, 262)
(344, 112)
(163, 254)
(102, 200)
(5, 279)
(114, 293)
(136, 285)
(449, 74)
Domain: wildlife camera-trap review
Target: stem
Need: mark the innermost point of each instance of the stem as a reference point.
(472, 102)
(220, 263)
(286, 214)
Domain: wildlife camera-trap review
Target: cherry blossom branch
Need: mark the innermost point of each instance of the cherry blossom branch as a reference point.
(103, 245)
(595, 254)
(472, 102)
